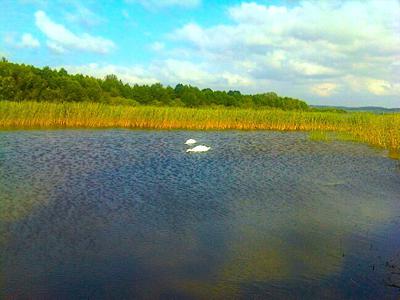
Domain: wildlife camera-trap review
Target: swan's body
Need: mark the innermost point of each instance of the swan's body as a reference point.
(190, 142)
(200, 148)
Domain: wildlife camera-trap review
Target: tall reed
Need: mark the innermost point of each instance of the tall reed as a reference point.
(378, 130)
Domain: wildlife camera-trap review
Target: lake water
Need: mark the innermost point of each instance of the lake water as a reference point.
(120, 214)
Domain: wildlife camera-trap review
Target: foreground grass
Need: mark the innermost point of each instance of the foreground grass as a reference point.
(377, 130)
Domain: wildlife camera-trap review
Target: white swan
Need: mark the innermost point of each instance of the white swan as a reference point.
(200, 148)
(190, 142)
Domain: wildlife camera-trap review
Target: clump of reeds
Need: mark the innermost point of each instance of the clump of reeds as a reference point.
(320, 136)
(378, 130)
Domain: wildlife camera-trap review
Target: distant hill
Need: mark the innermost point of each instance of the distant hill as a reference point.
(373, 109)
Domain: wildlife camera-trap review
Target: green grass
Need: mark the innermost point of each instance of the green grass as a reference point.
(378, 130)
(321, 136)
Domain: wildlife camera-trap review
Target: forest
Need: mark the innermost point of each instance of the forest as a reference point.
(20, 82)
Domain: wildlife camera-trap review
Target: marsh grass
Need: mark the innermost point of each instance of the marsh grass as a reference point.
(395, 154)
(320, 136)
(379, 130)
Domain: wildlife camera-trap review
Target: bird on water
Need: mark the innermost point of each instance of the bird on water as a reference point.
(199, 148)
(190, 142)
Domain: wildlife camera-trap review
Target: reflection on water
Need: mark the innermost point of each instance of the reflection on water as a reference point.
(129, 214)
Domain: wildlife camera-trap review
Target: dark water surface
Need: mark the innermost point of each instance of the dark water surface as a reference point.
(119, 214)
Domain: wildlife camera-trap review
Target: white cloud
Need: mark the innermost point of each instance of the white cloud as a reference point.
(308, 49)
(379, 87)
(157, 46)
(28, 41)
(376, 86)
(132, 75)
(255, 13)
(55, 48)
(152, 4)
(346, 52)
(309, 68)
(174, 71)
(61, 37)
(324, 89)
(84, 16)
(169, 72)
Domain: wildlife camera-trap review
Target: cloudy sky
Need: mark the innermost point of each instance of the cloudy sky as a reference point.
(327, 52)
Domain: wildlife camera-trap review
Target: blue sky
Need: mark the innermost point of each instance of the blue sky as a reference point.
(326, 52)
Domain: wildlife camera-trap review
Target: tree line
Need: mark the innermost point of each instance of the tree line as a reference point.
(20, 82)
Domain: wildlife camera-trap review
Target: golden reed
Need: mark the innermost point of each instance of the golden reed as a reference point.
(378, 130)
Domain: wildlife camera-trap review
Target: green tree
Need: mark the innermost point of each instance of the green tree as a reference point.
(7, 88)
(24, 82)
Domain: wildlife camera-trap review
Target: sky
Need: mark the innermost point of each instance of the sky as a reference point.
(327, 52)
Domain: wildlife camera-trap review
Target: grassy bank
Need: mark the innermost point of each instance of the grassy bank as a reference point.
(378, 130)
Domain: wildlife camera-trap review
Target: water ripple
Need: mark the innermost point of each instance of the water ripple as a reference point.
(129, 214)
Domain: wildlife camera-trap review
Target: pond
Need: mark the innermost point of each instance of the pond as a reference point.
(125, 214)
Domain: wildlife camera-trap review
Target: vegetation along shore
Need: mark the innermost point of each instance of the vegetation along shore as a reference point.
(43, 98)
(378, 130)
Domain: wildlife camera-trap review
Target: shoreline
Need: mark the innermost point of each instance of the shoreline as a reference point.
(382, 130)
